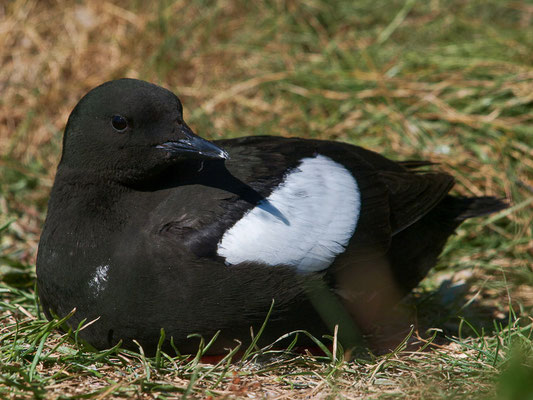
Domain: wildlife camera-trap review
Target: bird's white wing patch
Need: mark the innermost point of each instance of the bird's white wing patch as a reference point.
(306, 222)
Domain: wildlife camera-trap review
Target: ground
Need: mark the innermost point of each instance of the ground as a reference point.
(449, 81)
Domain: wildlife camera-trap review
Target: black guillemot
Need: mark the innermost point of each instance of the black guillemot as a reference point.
(150, 226)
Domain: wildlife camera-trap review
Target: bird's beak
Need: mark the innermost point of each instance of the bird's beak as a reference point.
(190, 145)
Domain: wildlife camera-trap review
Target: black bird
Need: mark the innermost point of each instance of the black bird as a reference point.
(150, 226)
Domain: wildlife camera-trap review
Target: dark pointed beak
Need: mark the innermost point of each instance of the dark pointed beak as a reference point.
(190, 145)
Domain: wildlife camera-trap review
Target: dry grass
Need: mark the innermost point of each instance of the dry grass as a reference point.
(450, 81)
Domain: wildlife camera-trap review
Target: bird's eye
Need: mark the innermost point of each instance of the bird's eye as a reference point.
(119, 123)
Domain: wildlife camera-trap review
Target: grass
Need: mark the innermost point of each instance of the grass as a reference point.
(450, 81)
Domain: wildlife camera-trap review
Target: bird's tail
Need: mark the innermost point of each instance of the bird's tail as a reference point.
(469, 207)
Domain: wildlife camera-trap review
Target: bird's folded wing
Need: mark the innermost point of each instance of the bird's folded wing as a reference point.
(413, 195)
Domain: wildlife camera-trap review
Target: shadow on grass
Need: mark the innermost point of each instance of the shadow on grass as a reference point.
(455, 309)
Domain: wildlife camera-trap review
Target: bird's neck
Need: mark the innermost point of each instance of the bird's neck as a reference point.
(81, 196)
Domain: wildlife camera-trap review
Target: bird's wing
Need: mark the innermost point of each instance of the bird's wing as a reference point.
(413, 195)
(282, 201)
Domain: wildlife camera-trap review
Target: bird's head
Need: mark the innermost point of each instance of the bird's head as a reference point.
(129, 130)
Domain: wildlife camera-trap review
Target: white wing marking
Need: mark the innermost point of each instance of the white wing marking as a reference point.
(306, 222)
